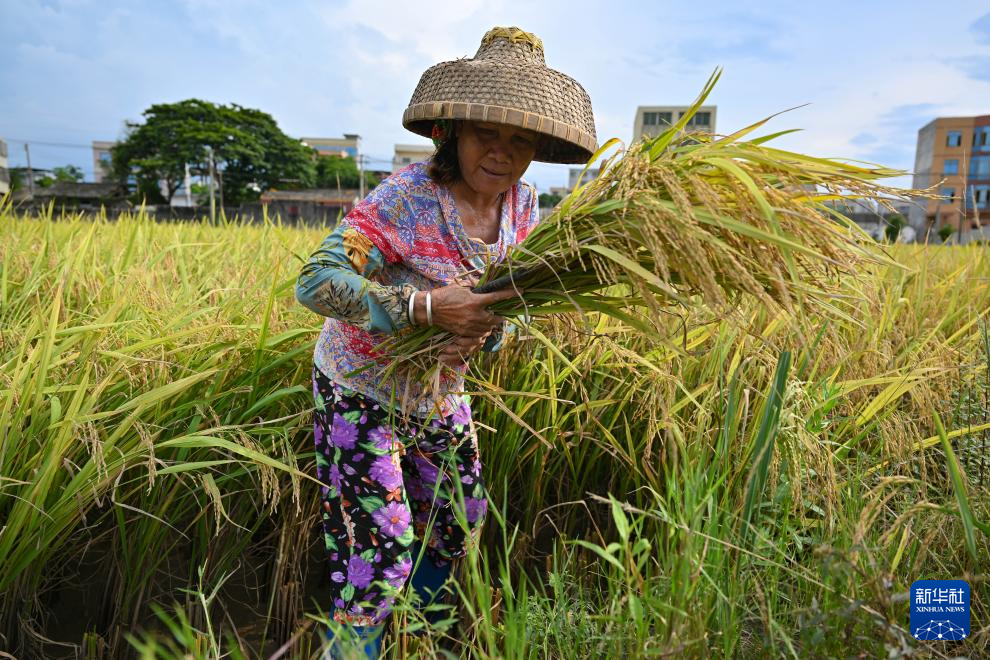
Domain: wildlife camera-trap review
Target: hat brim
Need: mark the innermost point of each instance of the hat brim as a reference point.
(513, 90)
(564, 143)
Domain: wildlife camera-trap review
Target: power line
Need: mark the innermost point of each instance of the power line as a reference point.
(48, 144)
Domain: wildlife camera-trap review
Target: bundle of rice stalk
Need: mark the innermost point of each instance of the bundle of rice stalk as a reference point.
(682, 219)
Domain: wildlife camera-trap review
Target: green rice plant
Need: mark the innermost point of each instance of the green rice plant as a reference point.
(151, 423)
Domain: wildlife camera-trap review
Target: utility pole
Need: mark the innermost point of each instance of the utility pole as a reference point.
(187, 184)
(360, 164)
(27, 152)
(213, 203)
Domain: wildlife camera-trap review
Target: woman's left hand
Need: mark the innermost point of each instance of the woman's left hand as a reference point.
(460, 349)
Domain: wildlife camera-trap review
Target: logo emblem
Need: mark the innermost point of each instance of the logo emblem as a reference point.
(940, 610)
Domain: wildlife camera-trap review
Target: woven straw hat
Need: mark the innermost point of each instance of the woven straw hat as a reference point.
(508, 82)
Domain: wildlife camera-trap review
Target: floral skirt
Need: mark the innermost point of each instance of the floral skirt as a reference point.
(387, 482)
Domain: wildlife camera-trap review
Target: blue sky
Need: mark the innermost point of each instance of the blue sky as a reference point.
(872, 72)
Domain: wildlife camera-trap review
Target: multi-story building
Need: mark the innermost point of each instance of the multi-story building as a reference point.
(4, 172)
(101, 160)
(407, 154)
(953, 153)
(574, 176)
(652, 119)
(349, 145)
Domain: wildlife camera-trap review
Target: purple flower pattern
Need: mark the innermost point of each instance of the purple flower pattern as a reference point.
(392, 519)
(343, 434)
(372, 500)
(386, 472)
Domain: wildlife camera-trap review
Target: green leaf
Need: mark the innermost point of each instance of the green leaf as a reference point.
(406, 537)
(763, 444)
(959, 487)
(56, 413)
(370, 448)
(598, 550)
(619, 516)
(371, 504)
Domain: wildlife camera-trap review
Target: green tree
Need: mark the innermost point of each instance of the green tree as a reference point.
(894, 222)
(250, 152)
(18, 178)
(336, 171)
(945, 231)
(549, 200)
(63, 174)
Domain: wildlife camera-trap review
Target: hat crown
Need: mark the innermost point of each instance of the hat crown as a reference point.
(510, 43)
(507, 82)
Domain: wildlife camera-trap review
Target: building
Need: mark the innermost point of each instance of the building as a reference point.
(407, 154)
(953, 153)
(349, 145)
(73, 196)
(101, 160)
(653, 119)
(574, 174)
(315, 205)
(874, 217)
(4, 172)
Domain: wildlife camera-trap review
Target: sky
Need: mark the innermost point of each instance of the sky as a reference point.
(868, 74)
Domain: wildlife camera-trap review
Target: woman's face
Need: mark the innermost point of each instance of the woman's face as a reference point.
(493, 157)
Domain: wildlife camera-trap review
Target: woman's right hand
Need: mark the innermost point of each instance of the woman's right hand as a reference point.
(458, 310)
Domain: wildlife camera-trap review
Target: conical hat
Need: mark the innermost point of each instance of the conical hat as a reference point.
(508, 82)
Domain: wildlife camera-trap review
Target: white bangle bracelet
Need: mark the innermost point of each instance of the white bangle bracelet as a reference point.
(410, 309)
(429, 309)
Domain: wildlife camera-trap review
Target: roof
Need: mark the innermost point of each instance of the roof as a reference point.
(79, 190)
(318, 195)
(419, 148)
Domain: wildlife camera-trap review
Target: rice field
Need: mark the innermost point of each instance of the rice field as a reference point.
(765, 485)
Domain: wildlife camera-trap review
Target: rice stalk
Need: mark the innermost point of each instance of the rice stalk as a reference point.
(681, 220)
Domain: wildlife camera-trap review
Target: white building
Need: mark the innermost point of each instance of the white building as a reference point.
(653, 119)
(407, 154)
(101, 160)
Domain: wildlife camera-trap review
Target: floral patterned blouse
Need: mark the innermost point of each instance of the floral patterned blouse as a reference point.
(405, 236)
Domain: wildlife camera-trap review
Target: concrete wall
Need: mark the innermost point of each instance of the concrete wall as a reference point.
(4, 172)
(640, 128)
(406, 154)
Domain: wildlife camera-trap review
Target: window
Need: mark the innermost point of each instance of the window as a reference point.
(979, 167)
(949, 194)
(656, 118)
(981, 138)
(951, 166)
(702, 119)
(406, 161)
(980, 195)
(953, 139)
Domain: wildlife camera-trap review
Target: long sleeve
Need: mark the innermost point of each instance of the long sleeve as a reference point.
(338, 281)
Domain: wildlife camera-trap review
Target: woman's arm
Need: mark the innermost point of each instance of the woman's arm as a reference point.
(336, 282)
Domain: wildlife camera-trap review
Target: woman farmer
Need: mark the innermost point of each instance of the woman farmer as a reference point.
(397, 462)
